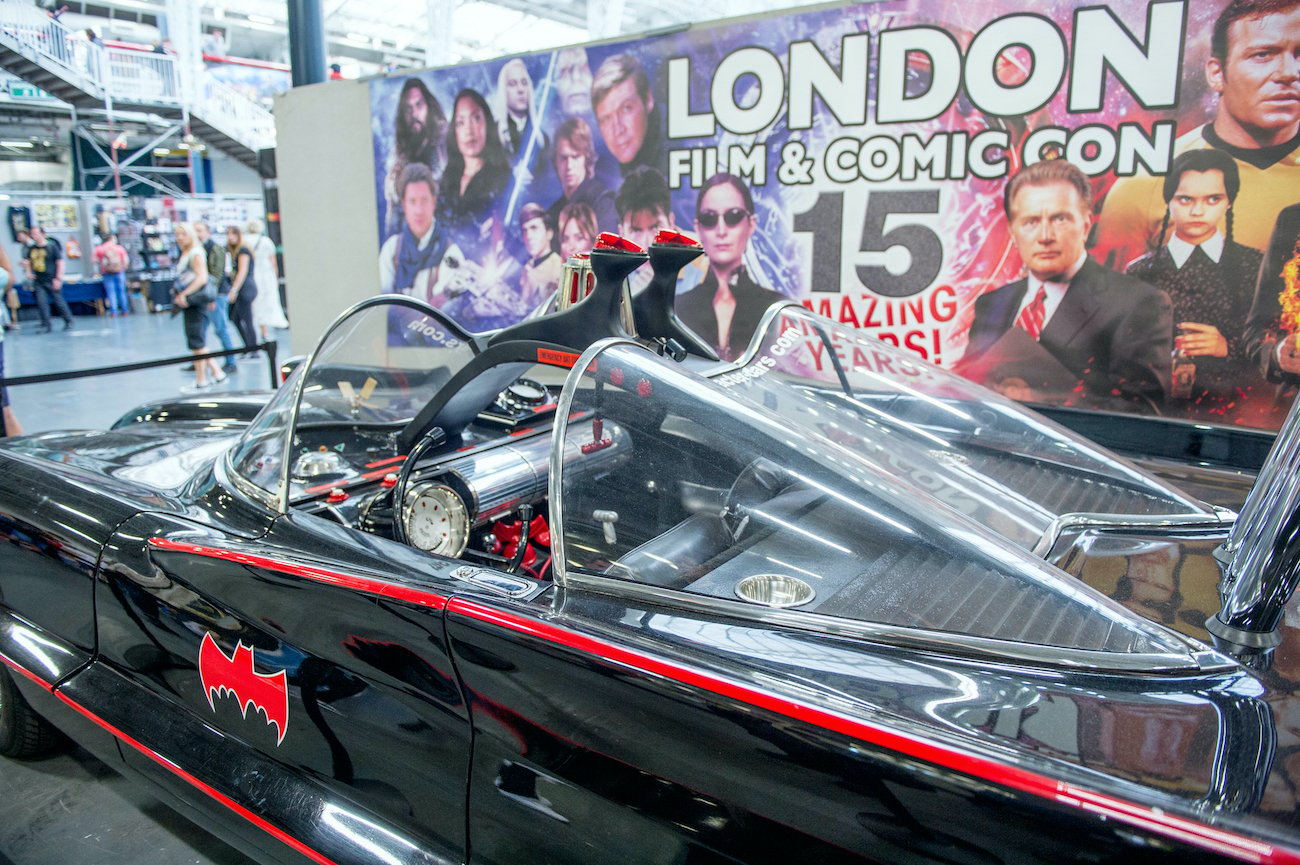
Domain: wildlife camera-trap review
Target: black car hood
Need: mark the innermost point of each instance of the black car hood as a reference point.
(149, 459)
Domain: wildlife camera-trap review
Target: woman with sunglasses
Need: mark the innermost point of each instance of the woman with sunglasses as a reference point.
(726, 307)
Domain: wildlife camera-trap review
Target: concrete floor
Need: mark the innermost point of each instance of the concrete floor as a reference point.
(99, 341)
(70, 808)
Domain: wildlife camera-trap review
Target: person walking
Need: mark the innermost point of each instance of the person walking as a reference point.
(215, 254)
(112, 260)
(192, 294)
(268, 314)
(9, 425)
(243, 288)
(44, 263)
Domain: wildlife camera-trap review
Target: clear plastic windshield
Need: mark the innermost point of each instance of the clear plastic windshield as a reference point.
(338, 418)
(730, 501)
(1006, 467)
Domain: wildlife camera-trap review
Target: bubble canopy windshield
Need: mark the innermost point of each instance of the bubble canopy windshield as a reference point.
(754, 496)
(1008, 468)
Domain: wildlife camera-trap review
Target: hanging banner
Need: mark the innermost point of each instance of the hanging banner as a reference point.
(904, 171)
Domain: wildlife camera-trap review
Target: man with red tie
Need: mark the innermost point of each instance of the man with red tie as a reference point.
(1110, 332)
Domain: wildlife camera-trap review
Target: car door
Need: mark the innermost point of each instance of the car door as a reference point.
(296, 689)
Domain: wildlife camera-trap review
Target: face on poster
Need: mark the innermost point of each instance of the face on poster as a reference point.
(859, 160)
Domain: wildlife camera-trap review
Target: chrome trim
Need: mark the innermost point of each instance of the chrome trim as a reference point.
(511, 587)
(1259, 559)
(1198, 660)
(1067, 522)
(229, 477)
(556, 459)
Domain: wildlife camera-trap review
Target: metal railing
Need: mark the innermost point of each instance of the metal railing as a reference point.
(234, 114)
(138, 76)
(29, 30)
(121, 74)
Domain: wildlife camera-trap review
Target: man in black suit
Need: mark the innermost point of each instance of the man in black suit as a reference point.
(1110, 332)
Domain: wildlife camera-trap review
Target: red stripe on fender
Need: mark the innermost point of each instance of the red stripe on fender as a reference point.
(1144, 817)
(368, 585)
(25, 673)
(271, 829)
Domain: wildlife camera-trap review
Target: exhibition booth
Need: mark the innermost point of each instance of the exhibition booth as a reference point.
(144, 227)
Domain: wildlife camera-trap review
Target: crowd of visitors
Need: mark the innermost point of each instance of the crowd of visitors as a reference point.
(229, 282)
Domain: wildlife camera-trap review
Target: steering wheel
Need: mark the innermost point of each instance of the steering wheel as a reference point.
(758, 482)
(432, 439)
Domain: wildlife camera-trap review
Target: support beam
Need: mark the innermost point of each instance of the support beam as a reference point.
(306, 42)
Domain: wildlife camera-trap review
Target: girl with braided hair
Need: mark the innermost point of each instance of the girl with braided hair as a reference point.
(1210, 279)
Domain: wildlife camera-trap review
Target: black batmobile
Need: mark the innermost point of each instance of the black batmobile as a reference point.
(575, 591)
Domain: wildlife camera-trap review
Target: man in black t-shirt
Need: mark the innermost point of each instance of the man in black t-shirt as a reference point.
(44, 264)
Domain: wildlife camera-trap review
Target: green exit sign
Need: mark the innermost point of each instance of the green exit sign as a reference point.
(23, 90)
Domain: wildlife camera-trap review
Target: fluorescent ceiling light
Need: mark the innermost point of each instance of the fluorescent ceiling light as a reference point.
(23, 144)
(359, 38)
(261, 19)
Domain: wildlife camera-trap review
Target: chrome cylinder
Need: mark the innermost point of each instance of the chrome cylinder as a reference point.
(576, 281)
(502, 476)
(1261, 558)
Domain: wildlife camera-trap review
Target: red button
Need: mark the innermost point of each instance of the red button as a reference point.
(336, 497)
(390, 480)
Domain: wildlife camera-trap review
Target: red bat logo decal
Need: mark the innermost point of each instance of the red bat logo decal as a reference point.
(235, 675)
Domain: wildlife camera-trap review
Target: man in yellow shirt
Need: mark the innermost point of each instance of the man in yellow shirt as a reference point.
(1254, 66)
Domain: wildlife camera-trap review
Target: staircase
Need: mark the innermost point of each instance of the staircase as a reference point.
(59, 60)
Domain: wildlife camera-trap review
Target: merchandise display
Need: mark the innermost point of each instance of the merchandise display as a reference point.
(579, 590)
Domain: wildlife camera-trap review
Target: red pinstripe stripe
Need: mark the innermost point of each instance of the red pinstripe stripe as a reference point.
(1141, 816)
(261, 823)
(220, 797)
(25, 673)
(334, 578)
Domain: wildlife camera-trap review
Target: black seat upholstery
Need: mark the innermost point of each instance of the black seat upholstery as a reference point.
(674, 559)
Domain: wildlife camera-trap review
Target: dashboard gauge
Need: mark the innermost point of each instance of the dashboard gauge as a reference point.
(436, 520)
(523, 395)
(313, 464)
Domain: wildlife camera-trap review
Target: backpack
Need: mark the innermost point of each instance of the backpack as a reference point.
(114, 259)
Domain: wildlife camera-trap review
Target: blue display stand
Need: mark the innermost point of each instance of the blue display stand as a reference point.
(88, 294)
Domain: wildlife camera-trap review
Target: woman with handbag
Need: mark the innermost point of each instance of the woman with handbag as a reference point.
(243, 287)
(192, 294)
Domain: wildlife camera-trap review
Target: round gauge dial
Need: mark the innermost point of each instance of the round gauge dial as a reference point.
(436, 520)
(524, 394)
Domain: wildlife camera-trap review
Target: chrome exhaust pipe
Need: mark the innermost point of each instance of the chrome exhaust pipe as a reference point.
(1261, 558)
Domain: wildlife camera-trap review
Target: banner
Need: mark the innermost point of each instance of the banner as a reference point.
(859, 161)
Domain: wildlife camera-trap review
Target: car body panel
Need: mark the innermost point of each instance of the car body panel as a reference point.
(276, 663)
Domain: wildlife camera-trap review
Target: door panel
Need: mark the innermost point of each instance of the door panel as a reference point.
(360, 679)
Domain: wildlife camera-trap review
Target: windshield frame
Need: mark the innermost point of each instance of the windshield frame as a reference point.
(279, 501)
